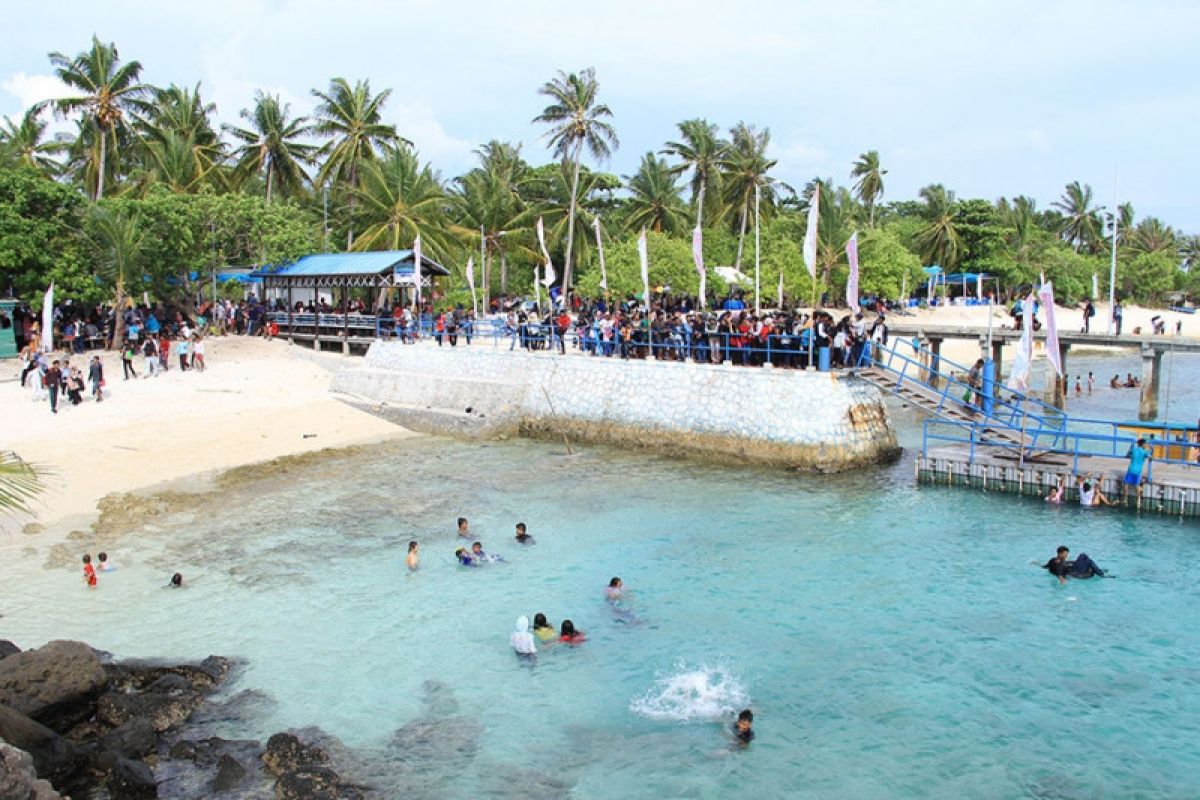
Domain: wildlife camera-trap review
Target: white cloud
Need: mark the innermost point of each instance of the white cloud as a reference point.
(32, 89)
(418, 123)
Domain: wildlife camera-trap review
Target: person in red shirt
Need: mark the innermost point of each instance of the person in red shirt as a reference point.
(89, 572)
(569, 635)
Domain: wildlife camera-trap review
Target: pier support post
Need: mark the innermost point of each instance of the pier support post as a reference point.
(997, 357)
(1151, 373)
(935, 362)
(1056, 385)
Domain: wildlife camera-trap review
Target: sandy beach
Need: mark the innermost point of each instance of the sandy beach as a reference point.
(257, 401)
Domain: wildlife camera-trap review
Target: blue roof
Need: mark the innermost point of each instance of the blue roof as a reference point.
(373, 262)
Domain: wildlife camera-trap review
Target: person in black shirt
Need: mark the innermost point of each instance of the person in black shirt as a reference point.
(743, 729)
(1082, 567)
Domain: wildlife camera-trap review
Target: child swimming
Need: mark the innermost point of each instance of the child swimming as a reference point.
(569, 635)
(412, 560)
(544, 630)
(89, 572)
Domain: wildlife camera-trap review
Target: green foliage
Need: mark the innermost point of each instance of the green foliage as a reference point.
(38, 218)
(884, 263)
(1150, 276)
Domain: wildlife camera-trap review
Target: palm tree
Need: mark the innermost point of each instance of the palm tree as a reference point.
(401, 199)
(1152, 236)
(745, 165)
(23, 143)
(175, 118)
(700, 151)
(271, 145)
(1189, 251)
(547, 194)
(488, 199)
(110, 89)
(939, 241)
(869, 186)
(20, 482)
(1020, 219)
(350, 118)
(176, 162)
(116, 241)
(1081, 221)
(655, 203)
(575, 120)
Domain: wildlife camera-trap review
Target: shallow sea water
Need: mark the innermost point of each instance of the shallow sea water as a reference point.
(893, 641)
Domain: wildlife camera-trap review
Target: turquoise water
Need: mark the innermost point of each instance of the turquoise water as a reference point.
(894, 641)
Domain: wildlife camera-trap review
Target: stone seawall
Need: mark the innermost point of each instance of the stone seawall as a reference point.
(816, 421)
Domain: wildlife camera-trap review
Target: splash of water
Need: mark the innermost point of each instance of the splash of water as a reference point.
(692, 694)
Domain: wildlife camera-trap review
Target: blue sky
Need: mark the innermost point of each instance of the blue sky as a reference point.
(990, 99)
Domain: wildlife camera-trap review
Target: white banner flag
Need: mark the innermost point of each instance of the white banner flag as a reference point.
(48, 319)
(1095, 287)
(698, 259)
(645, 259)
(1053, 355)
(1018, 379)
(600, 250)
(810, 233)
(852, 280)
(541, 234)
(417, 268)
(979, 286)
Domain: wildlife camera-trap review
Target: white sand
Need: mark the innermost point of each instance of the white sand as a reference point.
(257, 401)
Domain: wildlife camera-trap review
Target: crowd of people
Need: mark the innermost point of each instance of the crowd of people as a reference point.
(527, 636)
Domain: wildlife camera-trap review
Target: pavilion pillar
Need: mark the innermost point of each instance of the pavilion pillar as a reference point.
(1151, 376)
(997, 356)
(345, 317)
(291, 328)
(935, 362)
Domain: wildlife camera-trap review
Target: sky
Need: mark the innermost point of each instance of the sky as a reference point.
(990, 99)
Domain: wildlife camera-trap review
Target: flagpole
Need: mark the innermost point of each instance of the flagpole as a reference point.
(483, 269)
(757, 270)
(1112, 270)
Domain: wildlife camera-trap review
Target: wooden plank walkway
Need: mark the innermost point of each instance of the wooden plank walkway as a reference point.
(1173, 490)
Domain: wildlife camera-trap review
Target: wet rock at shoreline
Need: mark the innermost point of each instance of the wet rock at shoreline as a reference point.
(56, 684)
(18, 779)
(285, 753)
(7, 648)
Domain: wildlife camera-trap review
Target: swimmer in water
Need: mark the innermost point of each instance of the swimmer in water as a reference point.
(614, 591)
(1056, 494)
(105, 565)
(523, 536)
(412, 560)
(89, 572)
(743, 729)
(176, 581)
(569, 635)
(464, 558)
(1082, 567)
(544, 630)
(463, 528)
(481, 557)
(522, 640)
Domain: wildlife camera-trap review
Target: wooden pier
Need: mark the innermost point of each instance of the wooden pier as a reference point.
(1174, 489)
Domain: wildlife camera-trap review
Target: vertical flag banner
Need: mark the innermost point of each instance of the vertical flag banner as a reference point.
(979, 286)
(417, 267)
(810, 234)
(1053, 354)
(471, 282)
(48, 319)
(698, 259)
(852, 281)
(541, 234)
(600, 250)
(645, 259)
(1018, 379)
(1095, 287)
(780, 294)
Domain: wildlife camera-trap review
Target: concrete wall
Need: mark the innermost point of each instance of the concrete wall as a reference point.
(807, 420)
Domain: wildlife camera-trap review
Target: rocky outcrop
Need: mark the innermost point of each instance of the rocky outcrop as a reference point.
(19, 780)
(7, 648)
(85, 724)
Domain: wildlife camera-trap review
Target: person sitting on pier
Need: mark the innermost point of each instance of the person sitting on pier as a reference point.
(1081, 568)
(1090, 495)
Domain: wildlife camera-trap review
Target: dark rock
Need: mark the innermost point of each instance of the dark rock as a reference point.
(55, 758)
(133, 739)
(166, 708)
(54, 684)
(286, 753)
(230, 773)
(427, 742)
(131, 780)
(7, 648)
(139, 675)
(185, 750)
(238, 710)
(309, 783)
(18, 779)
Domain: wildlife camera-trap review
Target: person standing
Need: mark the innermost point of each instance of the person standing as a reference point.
(181, 350)
(96, 378)
(1139, 455)
(52, 381)
(1089, 311)
(127, 360)
(150, 356)
(1118, 314)
(198, 354)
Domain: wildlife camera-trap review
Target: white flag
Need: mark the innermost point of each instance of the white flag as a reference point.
(541, 234)
(645, 259)
(852, 280)
(417, 267)
(810, 234)
(1095, 287)
(979, 286)
(698, 259)
(48, 319)
(471, 273)
(780, 294)
(600, 250)
(1041, 279)
(1018, 379)
(1053, 355)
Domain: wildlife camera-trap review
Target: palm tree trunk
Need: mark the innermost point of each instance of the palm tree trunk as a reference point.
(571, 221)
(872, 215)
(503, 272)
(741, 239)
(119, 317)
(700, 207)
(103, 156)
(270, 174)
